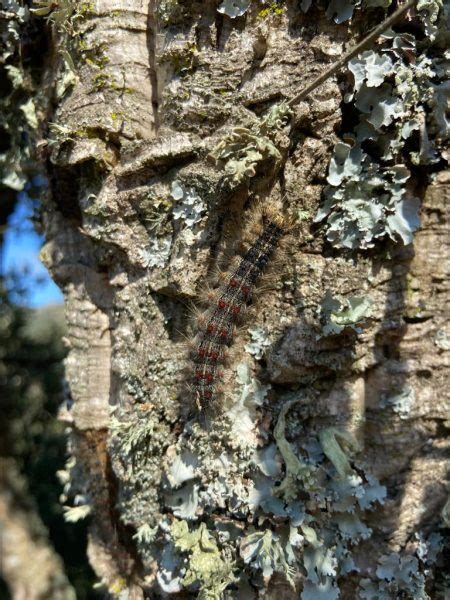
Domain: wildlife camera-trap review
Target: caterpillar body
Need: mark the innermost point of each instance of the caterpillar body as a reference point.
(227, 304)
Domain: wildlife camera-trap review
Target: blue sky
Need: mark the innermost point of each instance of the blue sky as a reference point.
(20, 259)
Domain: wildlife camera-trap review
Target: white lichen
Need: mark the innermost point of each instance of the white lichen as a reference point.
(189, 207)
(234, 8)
(259, 342)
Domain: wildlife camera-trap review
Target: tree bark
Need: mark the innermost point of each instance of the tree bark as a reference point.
(158, 86)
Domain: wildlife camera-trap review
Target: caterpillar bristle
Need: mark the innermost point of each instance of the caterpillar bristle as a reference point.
(220, 389)
(208, 296)
(202, 320)
(186, 339)
(191, 345)
(223, 276)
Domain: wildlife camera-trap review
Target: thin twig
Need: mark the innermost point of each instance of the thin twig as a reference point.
(362, 45)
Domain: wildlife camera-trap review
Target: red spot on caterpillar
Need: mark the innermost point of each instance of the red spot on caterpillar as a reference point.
(202, 352)
(223, 334)
(211, 328)
(233, 283)
(213, 355)
(222, 304)
(235, 309)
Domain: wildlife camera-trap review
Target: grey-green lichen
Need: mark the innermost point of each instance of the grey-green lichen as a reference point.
(76, 47)
(243, 149)
(259, 342)
(404, 574)
(364, 203)
(297, 470)
(401, 403)
(400, 94)
(217, 475)
(333, 449)
(343, 10)
(134, 445)
(189, 207)
(338, 313)
(181, 208)
(81, 507)
(268, 552)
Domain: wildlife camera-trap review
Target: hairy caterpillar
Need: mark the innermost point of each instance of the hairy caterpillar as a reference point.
(226, 305)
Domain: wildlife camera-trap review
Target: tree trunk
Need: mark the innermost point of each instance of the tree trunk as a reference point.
(28, 563)
(148, 197)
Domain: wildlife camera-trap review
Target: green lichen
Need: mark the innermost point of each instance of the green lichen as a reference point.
(276, 8)
(242, 150)
(67, 18)
(298, 472)
(207, 567)
(63, 15)
(333, 449)
(57, 13)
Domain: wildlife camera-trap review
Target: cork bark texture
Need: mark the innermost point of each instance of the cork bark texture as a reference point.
(163, 83)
